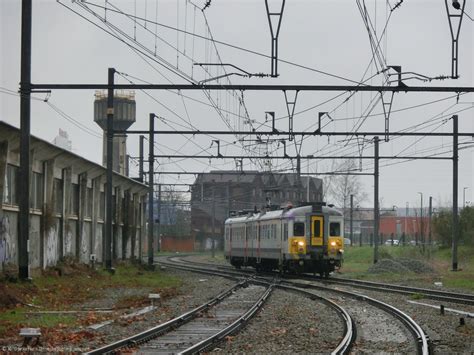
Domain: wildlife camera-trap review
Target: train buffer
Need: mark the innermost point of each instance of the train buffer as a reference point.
(31, 336)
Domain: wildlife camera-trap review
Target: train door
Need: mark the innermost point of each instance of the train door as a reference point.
(247, 232)
(281, 237)
(259, 232)
(229, 231)
(317, 231)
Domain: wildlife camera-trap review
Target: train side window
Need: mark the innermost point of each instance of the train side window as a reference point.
(285, 231)
(334, 229)
(298, 229)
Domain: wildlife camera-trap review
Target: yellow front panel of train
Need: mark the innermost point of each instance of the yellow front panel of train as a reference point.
(317, 230)
(297, 245)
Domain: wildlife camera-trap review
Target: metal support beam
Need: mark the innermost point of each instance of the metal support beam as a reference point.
(150, 189)
(351, 218)
(140, 159)
(242, 172)
(290, 108)
(108, 184)
(430, 215)
(274, 33)
(158, 225)
(213, 218)
(454, 35)
(307, 157)
(299, 133)
(25, 119)
(387, 109)
(455, 232)
(223, 87)
(376, 200)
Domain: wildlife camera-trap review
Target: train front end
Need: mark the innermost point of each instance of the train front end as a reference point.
(325, 239)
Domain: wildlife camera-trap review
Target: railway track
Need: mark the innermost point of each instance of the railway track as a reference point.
(444, 296)
(438, 295)
(421, 341)
(201, 327)
(205, 326)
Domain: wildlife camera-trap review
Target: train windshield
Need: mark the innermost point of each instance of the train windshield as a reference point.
(334, 229)
(298, 229)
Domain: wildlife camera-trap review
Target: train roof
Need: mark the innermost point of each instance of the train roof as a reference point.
(292, 212)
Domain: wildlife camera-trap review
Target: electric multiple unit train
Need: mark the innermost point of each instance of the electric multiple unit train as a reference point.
(300, 239)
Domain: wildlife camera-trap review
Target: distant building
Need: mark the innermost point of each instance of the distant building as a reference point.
(62, 140)
(217, 193)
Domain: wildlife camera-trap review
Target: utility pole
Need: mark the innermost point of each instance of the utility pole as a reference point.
(140, 159)
(151, 159)
(213, 217)
(422, 237)
(376, 200)
(430, 213)
(25, 120)
(108, 192)
(455, 195)
(158, 225)
(352, 209)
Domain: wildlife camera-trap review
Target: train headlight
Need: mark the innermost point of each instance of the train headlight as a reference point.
(333, 244)
(341, 251)
(301, 244)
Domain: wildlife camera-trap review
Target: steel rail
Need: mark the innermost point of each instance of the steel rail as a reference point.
(350, 330)
(421, 339)
(446, 296)
(454, 297)
(350, 333)
(167, 326)
(235, 326)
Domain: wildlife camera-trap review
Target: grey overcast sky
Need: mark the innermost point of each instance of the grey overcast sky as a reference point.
(322, 37)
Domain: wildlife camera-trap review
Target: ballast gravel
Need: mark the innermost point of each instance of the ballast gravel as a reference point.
(289, 323)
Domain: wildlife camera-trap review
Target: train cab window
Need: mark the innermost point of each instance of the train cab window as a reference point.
(334, 229)
(285, 231)
(298, 229)
(317, 228)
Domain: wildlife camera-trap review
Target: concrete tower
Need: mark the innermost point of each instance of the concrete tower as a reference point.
(124, 117)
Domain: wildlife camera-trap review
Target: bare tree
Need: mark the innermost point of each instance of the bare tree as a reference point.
(339, 188)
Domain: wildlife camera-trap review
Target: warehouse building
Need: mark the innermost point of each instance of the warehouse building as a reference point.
(67, 206)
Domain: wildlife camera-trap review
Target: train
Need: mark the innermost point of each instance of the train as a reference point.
(304, 239)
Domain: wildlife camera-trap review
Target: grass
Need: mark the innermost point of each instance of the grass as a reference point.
(357, 260)
(53, 292)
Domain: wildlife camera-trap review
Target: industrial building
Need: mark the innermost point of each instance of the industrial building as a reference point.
(67, 206)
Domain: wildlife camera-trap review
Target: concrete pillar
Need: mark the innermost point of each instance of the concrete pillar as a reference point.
(96, 183)
(67, 189)
(82, 213)
(143, 227)
(3, 170)
(135, 225)
(47, 218)
(116, 240)
(126, 224)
